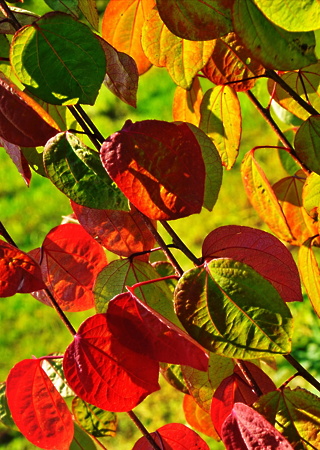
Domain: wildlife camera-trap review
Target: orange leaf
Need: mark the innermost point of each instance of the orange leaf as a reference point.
(186, 103)
(198, 418)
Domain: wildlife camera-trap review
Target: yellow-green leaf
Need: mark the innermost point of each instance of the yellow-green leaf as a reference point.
(310, 274)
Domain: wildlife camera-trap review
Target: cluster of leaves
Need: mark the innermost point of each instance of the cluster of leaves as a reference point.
(206, 329)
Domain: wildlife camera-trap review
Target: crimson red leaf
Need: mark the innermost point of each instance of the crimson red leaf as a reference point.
(103, 372)
(245, 429)
(121, 232)
(145, 331)
(37, 408)
(234, 389)
(173, 436)
(70, 261)
(136, 158)
(18, 158)
(260, 250)
(19, 272)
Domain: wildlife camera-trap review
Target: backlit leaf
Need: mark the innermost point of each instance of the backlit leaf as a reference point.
(307, 141)
(186, 103)
(221, 121)
(103, 372)
(95, 421)
(122, 74)
(233, 311)
(182, 58)
(5, 414)
(172, 373)
(22, 15)
(54, 76)
(263, 198)
(19, 271)
(81, 440)
(22, 121)
(310, 274)
(89, 10)
(274, 47)
(122, 27)
(311, 195)
(173, 436)
(70, 261)
(37, 408)
(53, 368)
(18, 158)
(198, 418)
(295, 413)
(260, 250)
(194, 19)
(230, 61)
(245, 429)
(121, 232)
(76, 170)
(147, 332)
(303, 15)
(136, 158)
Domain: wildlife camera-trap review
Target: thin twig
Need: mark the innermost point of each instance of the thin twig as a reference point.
(302, 371)
(249, 378)
(9, 14)
(84, 126)
(143, 430)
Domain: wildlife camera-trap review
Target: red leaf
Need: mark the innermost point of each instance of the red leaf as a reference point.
(37, 408)
(145, 331)
(70, 262)
(245, 429)
(19, 272)
(121, 232)
(173, 436)
(136, 158)
(236, 389)
(260, 250)
(18, 158)
(105, 373)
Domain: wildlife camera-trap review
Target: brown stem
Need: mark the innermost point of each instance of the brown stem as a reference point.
(84, 126)
(143, 430)
(90, 124)
(302, 371)
(249, 378)
(9, 14)
(61, 314)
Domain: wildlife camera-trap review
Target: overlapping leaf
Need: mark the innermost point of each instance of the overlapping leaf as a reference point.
(230, 62)
(95, 421)
(81, 440)
(103, 372)
(37, 408)
(311, 195)
(274, 47)
(172, 373)
(22, 121)
(221, 121)
(199, 419)
(186, 103)
(53, 368)
(70, 260)
(55, 77)
(90, 12)
(136, 158)
(310, 273)
(307, 141)
(233, 311)
(260, 250)
(122, 27)
(195, 20)
(5, 414)
(19, 271)
(121, 232)
(173, 436)
(22, 15)
(76, 170)
(18, 158)
(182, 58)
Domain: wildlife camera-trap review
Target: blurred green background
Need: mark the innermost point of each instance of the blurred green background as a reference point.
(30, 328)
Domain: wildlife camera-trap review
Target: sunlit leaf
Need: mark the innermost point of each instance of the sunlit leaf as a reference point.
(136, 158)
(18, 158)
(295, 413)
(173, 436)
(95, 421)
(182, 58)
(245, 429)
(186, 103)
(22, 121)
(311, 195)
(19, 271)
(196, 20)
(70, 260)
(230, 62)
(121, 232)
(303, 15)
(81, 440)
(310, 274)
(172, 373)
(24, 17)
(221, 121)
(53, 368)
(274, 47)
(263, 198)
(103, 372)
(5, 414)
(198, 418)
(76, 170)
(233, 311)
(307, 141)
(37, 408)
(122, 27)
(54, 76)
(89, 10)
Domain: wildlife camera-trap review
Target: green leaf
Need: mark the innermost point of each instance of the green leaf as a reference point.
(66, 6)
(302, 15)
(81, 440)
(54, 370)
(5, 414)
(233, 311)
(94, 420)
(40, 55)
(172, 373)
(221, 121)
(274, 47)
(311, 195)
(77, 171)
(310, 274)
(89, 10)
(307, 142)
